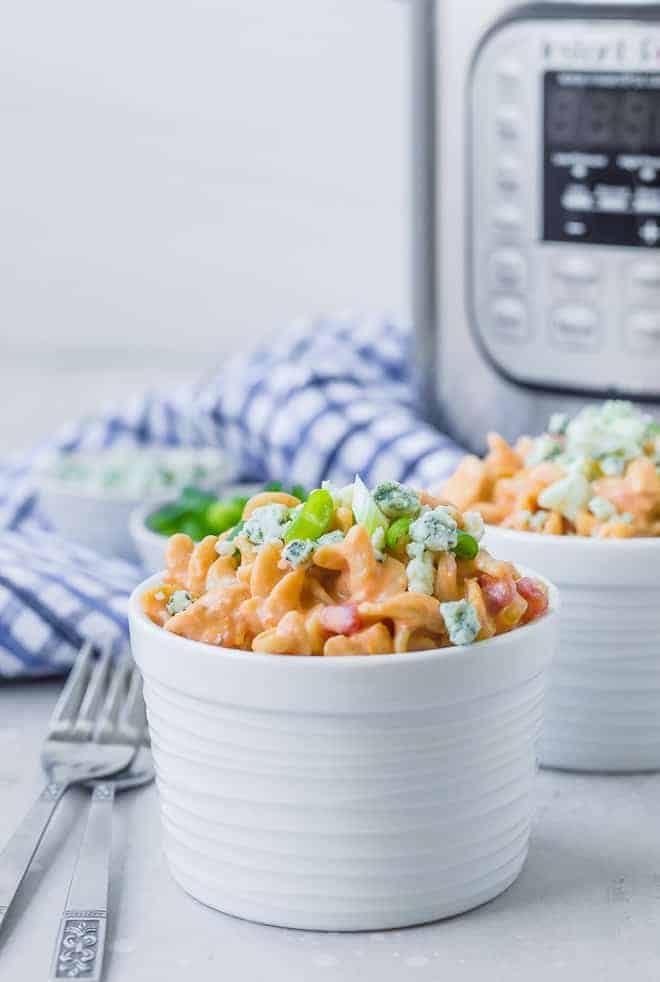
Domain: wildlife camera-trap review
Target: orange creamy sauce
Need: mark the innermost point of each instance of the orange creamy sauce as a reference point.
(506, 492)
(344, 600)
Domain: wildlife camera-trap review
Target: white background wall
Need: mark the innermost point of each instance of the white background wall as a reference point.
(180, 175)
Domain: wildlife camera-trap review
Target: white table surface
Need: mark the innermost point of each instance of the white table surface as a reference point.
(587, 905)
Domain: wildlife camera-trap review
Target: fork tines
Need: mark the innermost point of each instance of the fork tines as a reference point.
(101, 700)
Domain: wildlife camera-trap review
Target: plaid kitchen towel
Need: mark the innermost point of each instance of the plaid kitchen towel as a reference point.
(326, 399)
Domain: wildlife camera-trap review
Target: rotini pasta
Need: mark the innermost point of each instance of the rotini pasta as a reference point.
(347, 572)
(597, 474)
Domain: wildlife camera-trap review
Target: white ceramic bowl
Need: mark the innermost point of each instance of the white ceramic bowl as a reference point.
(149, 545)
(97, 521)
(603, 703)
(357, 793)
(99, 518)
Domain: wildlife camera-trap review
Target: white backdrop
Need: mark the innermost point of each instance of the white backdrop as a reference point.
(179, 176)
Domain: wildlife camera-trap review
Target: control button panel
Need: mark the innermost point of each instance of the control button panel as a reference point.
(574, 304)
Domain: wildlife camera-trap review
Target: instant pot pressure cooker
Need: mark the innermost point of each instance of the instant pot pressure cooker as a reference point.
(537, 209)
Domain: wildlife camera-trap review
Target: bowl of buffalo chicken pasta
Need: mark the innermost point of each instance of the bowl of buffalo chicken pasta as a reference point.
(344, 695)
(581, 503)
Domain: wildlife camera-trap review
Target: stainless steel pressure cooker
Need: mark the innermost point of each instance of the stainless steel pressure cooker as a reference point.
(536, 182)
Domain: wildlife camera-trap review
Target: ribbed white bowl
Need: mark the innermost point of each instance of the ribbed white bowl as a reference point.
(603, 702)
(346, 793)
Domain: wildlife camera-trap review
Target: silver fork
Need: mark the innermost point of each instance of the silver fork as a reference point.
(80, 943)
(69, 756)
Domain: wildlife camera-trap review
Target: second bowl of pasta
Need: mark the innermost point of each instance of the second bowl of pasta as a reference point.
(581, 503)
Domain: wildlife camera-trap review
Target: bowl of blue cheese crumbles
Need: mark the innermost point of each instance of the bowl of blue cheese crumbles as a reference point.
(88, 496)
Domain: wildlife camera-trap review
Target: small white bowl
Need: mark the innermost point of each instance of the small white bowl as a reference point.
(97, 521)
(99, 518)
(603, 702)
(345, 794)
(149, 545)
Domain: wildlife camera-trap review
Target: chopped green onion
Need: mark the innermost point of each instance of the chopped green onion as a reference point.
(397, 531)
(314, 518)
(237, 529)
(222, 515)
(366, 511)
(193, 498)
(298, 491)
(199, 513)
(161, 519)
(194, 527)
(466, 547)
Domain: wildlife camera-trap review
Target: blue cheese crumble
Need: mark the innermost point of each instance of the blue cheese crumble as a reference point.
(613, 433)
(298, 551)
(178, 602)
(266, 524)
(544, 448)
(396, 500)
(613, 466)
(568, 496)
(225, 547)
(602, 508)
(473, 524)
(538, 520)
(558, 423)
(435, 529)
(461, 621)
(330, 538)
(598, 440)
(420, 570)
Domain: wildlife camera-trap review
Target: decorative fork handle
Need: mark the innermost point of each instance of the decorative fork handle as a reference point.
(19, 852)
(80, 944)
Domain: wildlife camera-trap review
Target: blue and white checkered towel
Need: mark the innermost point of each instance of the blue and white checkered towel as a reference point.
(325, 399)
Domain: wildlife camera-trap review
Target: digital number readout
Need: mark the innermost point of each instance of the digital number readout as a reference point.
(601, 158)
(598, 114)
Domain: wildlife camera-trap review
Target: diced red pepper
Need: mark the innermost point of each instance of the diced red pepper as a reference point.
(341, 619)
(535, 595)
(498, 594)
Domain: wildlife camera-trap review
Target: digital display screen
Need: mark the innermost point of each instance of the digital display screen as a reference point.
(604, 117)
(601, 158)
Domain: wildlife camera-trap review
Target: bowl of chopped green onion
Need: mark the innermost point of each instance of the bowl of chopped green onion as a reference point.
(195, 512)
